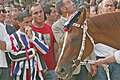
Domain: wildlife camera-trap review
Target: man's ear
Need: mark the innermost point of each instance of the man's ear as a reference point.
(47, 15)
(19, 23)
(63, 8)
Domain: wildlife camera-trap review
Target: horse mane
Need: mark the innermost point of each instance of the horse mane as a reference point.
(107, 21)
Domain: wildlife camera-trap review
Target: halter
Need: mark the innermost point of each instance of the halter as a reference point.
(85, 33)
(76, 62)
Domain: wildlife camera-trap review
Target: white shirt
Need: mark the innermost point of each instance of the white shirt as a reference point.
(4, 37)
(117, 56)
(103, 50)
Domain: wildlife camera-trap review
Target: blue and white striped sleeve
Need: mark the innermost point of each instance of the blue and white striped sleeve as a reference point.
(39, 43)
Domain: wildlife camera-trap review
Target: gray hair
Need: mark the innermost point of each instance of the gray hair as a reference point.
(58, 5)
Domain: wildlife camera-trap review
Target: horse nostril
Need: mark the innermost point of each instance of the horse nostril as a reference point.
(61, 70)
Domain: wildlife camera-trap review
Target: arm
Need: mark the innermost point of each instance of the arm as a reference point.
(5, 43)
(21, 55)
(39, 43)
(36, 39)
(113, 58)
(56, 51)
(16, 54)
(58, 33)
(109, 59)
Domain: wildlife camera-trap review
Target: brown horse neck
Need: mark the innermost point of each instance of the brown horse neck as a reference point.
(108, 37)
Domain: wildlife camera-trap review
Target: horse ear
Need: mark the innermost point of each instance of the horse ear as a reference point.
(82, 17)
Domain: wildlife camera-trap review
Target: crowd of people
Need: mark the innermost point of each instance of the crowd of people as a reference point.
(31, 38)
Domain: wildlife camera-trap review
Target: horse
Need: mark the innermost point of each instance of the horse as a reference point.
(81, 37)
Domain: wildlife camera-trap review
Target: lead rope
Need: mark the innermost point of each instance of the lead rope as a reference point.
(106, 68)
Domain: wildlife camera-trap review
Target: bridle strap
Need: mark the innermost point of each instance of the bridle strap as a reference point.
(85, 33)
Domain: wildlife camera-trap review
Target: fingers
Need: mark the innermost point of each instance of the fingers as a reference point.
(93, 70)
(100, 62)
(28, 31)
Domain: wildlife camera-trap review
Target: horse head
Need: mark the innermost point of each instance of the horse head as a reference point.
(71, 45)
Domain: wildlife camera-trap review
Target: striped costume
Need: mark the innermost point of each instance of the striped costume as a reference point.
(27, 63)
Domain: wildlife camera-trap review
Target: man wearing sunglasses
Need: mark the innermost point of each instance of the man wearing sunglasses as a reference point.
(5, 45)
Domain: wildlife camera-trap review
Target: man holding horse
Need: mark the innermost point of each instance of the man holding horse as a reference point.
(110, 59)
(103, 51)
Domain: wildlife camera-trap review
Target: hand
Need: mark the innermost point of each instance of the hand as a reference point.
(28, 31)
(35, 49)
(100, 62)
(93, 69)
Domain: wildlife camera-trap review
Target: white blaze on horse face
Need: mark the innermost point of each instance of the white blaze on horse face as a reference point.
(66, 34)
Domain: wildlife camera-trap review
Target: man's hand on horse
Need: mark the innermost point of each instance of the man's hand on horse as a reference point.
(100, 62)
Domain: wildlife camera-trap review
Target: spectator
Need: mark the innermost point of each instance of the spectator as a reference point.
(50, 14)
(27, 62)
(118, 6)
(40, 26)
(5, 46)
(93, 10)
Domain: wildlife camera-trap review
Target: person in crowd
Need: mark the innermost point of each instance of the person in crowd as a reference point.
(5, 46)
(103, 51)
(11, 28)
(118, 6)
(39, 25)
(50, 14)
(93, 10)
(14, 15)
(27, 45)
(7, 8)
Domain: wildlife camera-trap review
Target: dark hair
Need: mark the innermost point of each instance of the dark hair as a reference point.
(34, 5)
(118, 5)
(47, 10)
(58, 5)
(23, 14)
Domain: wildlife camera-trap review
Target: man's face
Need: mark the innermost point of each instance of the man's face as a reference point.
(92, 11)
(2, 13)
(8, 18)
(70, 6)
(37, 14)
(8, 9)
(108, 6)
(53, 15)
(26, 22)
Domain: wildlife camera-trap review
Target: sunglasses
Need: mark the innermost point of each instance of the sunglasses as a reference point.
(2, 11)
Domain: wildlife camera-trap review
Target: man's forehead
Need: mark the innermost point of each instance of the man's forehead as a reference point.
(107, 2)
(53, 8)
(65, 1)
(34, 8)
(27, 19)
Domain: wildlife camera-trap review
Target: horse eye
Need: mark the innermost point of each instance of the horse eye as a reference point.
(75, 40)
